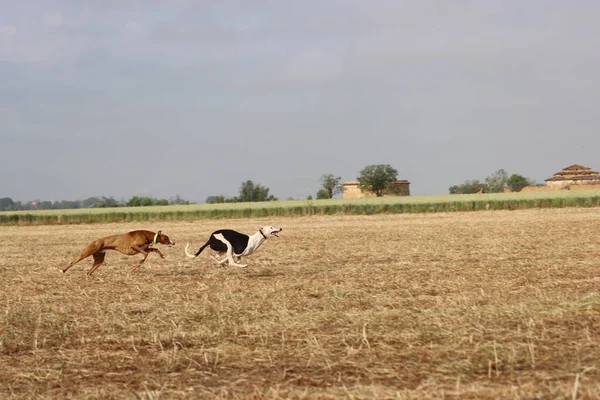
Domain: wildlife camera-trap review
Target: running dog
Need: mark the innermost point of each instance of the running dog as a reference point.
(235, 245)
(129, 243)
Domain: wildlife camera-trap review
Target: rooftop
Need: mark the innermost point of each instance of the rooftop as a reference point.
(575, 172)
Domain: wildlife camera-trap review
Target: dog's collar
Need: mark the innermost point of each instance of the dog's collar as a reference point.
(261, 232)
(155, 237)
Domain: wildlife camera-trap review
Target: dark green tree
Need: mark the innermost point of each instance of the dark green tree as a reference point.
(104, 202)
(377, 178)
(517, 182)
(91, 202)
(322, 194)
(215, 199)
(249, 192)
(6, 204)
(468, 187)
(44, 205)
(136, 201)
(331, 184)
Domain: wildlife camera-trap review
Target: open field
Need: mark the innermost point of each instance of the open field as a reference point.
(366, 206)
(486, 305)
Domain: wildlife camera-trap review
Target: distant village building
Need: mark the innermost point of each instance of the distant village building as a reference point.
(352, 190)
(574, 177)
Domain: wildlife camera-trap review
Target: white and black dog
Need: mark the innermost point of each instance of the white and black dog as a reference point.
(236, 245)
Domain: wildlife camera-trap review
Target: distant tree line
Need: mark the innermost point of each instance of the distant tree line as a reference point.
(248, 192)
(8, 204)
(494, 183)
(378, 178)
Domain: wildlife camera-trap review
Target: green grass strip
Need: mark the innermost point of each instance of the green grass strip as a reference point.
(371, 206)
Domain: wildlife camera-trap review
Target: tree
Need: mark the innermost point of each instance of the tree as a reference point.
(136, 201)
(91, 202)
(6, 204)
(377, 178)
(106, 202)
(322, 194)
(215, 199)
(111, 202)
(331, 184)
(178, 200)
(468, 187)
(44, 205)
(496, 182)
(249, 191)
(517, 182)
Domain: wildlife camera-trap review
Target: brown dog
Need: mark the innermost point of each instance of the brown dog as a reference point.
(129, 243)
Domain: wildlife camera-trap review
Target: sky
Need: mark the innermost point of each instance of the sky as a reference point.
(161, 98)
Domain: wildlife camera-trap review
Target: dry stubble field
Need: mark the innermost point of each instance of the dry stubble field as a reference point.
(471, 305)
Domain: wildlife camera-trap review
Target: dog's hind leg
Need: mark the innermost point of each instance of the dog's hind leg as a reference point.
(229, 252)
(86, 252)
(98, 260)
(237, 260)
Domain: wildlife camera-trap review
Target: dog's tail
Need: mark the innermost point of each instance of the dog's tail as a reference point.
(198, 253)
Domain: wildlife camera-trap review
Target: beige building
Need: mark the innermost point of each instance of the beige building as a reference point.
(352, 190)
(574, 177)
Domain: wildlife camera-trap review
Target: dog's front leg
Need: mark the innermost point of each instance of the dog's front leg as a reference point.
(150, 249)
(236, 261)
(221, 262)
(144, 252)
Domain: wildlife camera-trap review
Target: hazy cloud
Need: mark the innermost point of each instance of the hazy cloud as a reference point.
(191, 98)
(134, 28)
(8, 30)
(52, 20)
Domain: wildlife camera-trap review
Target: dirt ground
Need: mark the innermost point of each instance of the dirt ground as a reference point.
(482, 305)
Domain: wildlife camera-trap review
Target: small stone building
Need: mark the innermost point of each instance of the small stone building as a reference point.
(352, 190)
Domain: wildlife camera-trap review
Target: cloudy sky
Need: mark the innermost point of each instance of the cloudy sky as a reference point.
(158, 98)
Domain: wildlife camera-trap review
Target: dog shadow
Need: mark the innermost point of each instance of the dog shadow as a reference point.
(194, 272)
(263, 274)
